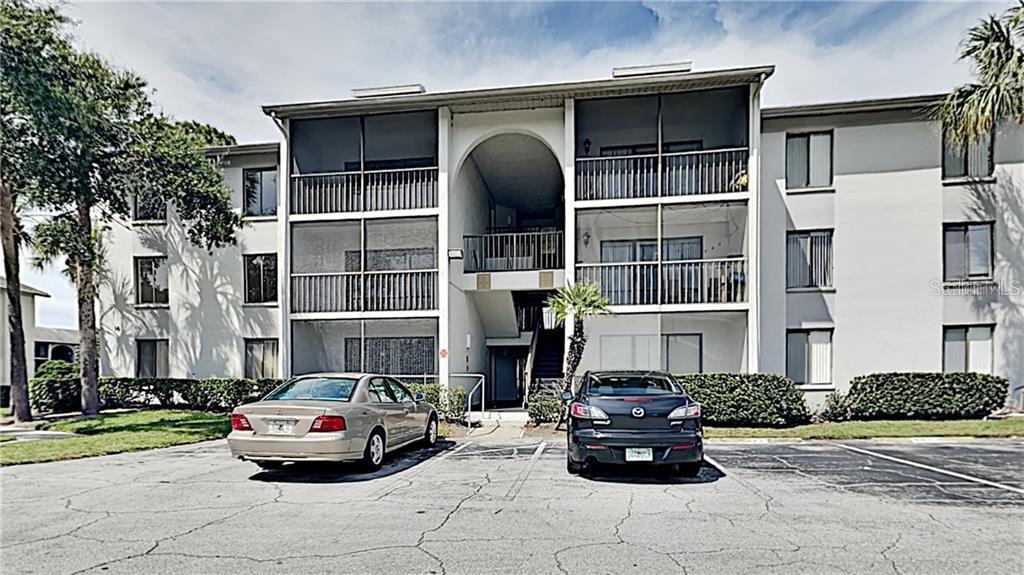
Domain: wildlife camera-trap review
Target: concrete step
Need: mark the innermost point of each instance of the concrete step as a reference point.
(512, 418)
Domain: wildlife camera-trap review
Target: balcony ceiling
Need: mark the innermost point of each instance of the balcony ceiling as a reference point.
(520, 172)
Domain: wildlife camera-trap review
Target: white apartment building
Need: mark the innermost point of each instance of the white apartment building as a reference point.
(418, 234)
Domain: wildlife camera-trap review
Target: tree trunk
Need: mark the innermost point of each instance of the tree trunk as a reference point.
(19, 371)
(87, 354)
(577, 343)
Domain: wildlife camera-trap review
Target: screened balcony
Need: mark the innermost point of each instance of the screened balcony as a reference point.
(701, 260)
(364, 163)
(403, 348)
(373, 265)
(688, 144)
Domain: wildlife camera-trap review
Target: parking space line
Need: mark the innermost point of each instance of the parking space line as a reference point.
(513, 490)
(715, 464)
(930, 468)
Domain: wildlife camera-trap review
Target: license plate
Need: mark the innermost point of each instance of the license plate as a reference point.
(280, 427)
(639, 454)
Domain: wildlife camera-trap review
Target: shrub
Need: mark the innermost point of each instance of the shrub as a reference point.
(740, 399)
(544, 409)
(431, 393)
(926, 395)
(456, 404)
(223, 394)
(836, 408)
(118, 392)
(55, 388)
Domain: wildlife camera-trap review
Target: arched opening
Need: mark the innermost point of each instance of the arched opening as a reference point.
(62, 352)
(508, 213)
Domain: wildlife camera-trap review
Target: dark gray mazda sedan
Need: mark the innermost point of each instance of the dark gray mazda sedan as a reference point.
(633, 417)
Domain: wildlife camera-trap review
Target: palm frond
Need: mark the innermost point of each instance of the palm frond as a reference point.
(579, 300)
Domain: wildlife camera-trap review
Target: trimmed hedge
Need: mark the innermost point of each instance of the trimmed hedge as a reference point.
(748, 400)
(544, 408)
(61, 394)
(923, 396)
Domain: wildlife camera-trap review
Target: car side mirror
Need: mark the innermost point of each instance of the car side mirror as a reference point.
(566, 395)
(418, 397)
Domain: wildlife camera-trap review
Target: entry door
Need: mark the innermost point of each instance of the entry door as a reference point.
(505, 377)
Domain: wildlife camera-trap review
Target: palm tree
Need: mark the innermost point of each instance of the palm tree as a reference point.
(578, 301)
(995, 48)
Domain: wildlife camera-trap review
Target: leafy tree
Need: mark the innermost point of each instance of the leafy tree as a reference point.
(995, 48)
(28, 38)
(98, 142)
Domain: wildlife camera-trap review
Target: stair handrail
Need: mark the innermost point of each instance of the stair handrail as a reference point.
(469, 398)
(530, 357)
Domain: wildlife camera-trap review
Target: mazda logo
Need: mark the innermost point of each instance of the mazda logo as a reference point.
(638, 412)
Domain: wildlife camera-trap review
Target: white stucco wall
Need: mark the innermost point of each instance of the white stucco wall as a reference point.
(887, 207)
(206, 320)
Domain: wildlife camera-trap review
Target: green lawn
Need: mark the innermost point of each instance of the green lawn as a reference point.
(117, 433)
(4, 438)
(873, 429)
(5, 411)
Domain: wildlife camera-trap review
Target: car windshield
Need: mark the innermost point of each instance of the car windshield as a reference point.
(318, 388)
(633, 384)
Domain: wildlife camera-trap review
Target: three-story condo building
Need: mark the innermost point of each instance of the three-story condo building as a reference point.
(418, 235)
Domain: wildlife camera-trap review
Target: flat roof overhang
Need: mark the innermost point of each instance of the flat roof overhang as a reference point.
(531, 96)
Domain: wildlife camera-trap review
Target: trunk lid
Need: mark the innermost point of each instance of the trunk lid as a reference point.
(282, 419)
(652, 411)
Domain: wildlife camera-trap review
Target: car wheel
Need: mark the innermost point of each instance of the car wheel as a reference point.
(373, 455)
(270, 464)
(430, 435)
(690, 469)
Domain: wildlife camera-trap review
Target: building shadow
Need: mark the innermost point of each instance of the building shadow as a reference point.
(326, 472)
(1003, 203)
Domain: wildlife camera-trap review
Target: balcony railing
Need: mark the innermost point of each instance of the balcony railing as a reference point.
(398, 290)
(519, 251)
(670, 282)
(682, 174)
(337, 192)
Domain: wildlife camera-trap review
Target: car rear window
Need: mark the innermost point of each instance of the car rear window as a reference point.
(318, 388)
(633, 384)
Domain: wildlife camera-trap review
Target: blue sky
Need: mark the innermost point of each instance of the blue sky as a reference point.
(217, 62)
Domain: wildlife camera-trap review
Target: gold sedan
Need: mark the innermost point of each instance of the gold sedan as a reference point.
(332, 417)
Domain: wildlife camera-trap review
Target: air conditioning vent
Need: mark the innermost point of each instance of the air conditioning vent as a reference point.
(385, 91)
(652, 70)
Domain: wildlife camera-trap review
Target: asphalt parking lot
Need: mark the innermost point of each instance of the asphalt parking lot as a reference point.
(509, 507)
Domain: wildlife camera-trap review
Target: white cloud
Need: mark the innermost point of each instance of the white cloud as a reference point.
(218, 62)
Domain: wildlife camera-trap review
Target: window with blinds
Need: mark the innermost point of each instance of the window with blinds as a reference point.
(967, 348)
(261, 359)
(151, 358)
(967, 251)
(151, 280)
(809, 259)
(809, 357)
(971, 161)
(809, 160)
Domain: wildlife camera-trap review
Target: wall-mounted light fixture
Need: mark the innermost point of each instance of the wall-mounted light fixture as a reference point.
(586, 239)
(586, 146)
(455, 254)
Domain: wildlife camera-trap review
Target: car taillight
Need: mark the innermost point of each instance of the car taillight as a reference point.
(584, 411)
(240, 423)
(685, 412)
(328, 423)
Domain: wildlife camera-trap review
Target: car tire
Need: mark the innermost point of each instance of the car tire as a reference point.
(430, 434)
(690, 469)
(268, 465)
(373, 454)
(572, 467)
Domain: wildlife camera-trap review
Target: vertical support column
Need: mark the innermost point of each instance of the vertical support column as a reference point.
(284, 269)
(753, 230)
(569, 177)
(444, 122)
